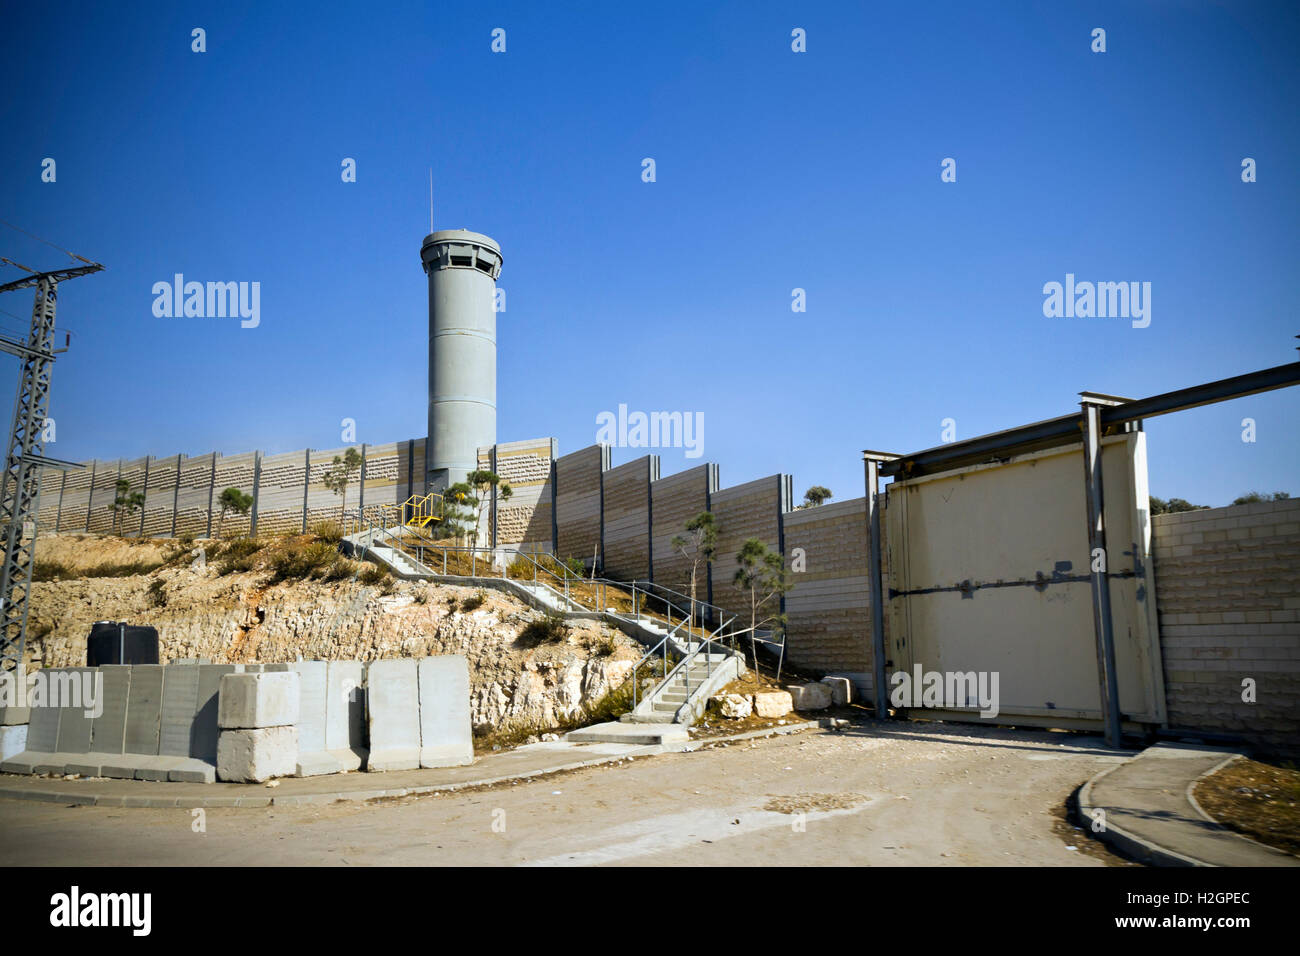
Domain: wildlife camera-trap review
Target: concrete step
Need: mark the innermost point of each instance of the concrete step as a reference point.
(626, 732)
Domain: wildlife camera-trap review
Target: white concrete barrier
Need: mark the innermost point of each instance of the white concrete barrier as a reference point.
(393, 714)
(267, 699)
(446, 738)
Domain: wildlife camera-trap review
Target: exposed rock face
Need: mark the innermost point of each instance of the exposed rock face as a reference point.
(237, 618)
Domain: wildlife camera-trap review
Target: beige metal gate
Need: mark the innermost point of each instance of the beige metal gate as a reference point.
(989, 571)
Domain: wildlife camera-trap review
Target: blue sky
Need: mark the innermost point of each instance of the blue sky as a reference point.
(775, 170)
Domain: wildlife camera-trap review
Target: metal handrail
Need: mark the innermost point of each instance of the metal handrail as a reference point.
(663, 643)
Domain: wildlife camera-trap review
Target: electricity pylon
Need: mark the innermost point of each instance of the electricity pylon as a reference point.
(21, 479)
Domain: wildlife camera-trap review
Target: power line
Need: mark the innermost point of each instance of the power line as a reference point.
(46, 241)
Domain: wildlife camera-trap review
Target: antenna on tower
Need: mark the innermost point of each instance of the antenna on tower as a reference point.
(431, 199)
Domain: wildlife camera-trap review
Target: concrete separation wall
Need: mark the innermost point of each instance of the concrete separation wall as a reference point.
(578, 502)
(182, 492)
(828, 609)
(627, 519)
(751, 510)
(676, 500)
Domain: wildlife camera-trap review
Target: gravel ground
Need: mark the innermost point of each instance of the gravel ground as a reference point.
(912, 794)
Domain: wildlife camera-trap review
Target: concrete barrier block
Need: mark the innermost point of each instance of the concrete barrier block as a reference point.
(258, 754)
(345, 713)
(108, 730)
(251, 701)
(203, 742)
(276, 668)
(393, 712)
(144, 709)
(78, 695)
(43, 728)
(88, 765)
(193, 770)
(446, 738)
(56, 763)
(124, 766)
(13, 716)
(13, 740)
(179, 704)
(24, 762)
(312, 688)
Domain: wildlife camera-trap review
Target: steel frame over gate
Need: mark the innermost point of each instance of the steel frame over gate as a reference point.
(1100, 417)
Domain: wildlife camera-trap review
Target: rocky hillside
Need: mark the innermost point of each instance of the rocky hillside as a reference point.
(232, 609)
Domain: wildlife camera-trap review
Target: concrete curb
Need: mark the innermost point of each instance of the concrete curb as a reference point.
(1148, 851)
(1131, 845)
(360, 796)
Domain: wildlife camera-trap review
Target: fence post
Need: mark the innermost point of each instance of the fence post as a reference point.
(144, 508)
(871, 461)
(90, 499)
(58, 515)
(257, 484)
(176, 494)
(306, 485)
(212, 487)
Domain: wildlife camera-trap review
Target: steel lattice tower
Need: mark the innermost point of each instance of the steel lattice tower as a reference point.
(22, 465)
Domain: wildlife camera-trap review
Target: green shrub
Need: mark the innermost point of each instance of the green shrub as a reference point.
(51, 571)
(474, 601)
(239, 554)
(551, 628)
(157, 593)
(373, 574)
(340, 569)
(307, 561)
(331, 532)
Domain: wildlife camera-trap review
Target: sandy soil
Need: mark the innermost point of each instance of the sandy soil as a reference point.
(934, 795)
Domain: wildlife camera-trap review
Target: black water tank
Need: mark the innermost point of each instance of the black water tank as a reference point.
(116, 642)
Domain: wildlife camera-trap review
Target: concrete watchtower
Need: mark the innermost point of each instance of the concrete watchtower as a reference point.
(462, 267)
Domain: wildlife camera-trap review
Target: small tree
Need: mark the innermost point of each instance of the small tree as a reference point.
(232, 499)
(340, 474)
(459, 510)
(761, 573)
(700, 543)
(126, 502)
(482, 482)
(815, 495)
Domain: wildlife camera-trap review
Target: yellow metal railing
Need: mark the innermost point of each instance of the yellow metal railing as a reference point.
(422, 510)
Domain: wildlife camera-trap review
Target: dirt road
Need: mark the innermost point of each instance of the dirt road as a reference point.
(914, 794)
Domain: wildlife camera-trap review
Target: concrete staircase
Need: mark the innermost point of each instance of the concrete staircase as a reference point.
(399, 563)
(680, 699)
(683, 695)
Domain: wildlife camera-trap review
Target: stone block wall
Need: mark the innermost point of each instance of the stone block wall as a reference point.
(525, 519)
(829, 607)
(1228, 595)
(279, 504)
